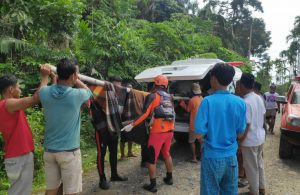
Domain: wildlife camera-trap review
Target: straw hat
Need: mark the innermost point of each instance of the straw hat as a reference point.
(196, 88)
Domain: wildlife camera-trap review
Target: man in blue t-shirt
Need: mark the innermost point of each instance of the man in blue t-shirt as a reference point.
(62, 105)
(221, 118)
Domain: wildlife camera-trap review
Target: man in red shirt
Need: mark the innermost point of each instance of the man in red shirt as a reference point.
(16, 132)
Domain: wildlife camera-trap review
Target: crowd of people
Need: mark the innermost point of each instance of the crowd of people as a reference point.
(231, 129)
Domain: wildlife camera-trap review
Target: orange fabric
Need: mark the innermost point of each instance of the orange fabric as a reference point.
(99, 95)
(98, 90)
(192, 108)
(158, 124)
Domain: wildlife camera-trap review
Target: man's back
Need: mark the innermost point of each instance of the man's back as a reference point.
(62, 113)
(193, 106)
(158, 125)
(221, 117)
(255, 117)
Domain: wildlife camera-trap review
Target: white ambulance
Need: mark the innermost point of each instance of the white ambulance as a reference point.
(181, 75)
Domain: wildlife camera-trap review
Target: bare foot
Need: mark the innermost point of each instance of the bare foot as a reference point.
(131, 155)
(122, 158)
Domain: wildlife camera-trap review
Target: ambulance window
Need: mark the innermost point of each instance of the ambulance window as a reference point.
(181, 88)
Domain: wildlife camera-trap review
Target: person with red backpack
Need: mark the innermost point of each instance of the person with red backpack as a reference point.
(158, 105)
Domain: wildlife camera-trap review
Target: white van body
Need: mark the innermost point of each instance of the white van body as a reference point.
(191, 70)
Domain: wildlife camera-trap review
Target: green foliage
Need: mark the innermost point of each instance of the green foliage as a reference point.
(236, 26)
(112, 37)
(229, 56)
(6, 68)
(87, 134)
(206, 55)
(282, 89)
(165, 8)
(161, 10)
(263, 75)
(3, 178)
(291, 55)
(7, 45)
(35, 118)
(265, 79)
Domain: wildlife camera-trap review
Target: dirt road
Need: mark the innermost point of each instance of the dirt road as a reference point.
(282, 176)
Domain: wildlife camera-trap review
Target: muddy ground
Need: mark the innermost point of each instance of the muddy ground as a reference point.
(282, 176)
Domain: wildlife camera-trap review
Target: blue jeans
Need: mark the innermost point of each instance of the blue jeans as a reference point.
(219, 176)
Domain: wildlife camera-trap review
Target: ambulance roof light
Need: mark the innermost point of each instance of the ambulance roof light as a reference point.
(297, 78)
(235, 63)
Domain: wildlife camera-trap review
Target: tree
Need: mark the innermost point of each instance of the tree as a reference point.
(263, 74)
(281, 71)
(236, 26)
(161, 10)
(293, 52)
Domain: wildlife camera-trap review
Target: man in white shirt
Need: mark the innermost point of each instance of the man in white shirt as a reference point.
(257, 88)
(254, 136)
(272, 107)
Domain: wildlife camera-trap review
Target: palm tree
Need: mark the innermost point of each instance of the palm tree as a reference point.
(294, 48)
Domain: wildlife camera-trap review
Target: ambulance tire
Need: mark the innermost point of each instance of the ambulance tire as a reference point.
(285, 148)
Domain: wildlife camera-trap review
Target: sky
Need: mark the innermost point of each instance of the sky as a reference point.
(279, 16)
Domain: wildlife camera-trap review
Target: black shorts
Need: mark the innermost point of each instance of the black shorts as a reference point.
(123, 137)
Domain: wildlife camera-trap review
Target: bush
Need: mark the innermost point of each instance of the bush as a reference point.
(282, 89)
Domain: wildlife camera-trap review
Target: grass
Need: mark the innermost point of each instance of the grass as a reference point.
(88, 150)
(89, 157)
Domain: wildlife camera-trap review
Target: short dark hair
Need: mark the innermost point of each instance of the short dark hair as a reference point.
(7, 81)
(65, 68)
(257, 85)
(223, 72)
(247, 80)
(128, 84)
(115, 78)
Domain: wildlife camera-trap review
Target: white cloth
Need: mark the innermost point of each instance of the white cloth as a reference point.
(263, 99)
(255, 117)
(270, 99)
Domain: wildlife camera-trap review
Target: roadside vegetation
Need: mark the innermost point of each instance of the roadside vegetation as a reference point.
(117, 37)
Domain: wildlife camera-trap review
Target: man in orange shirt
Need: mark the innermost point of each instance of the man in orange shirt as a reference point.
(192, 108)
(161, 129)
